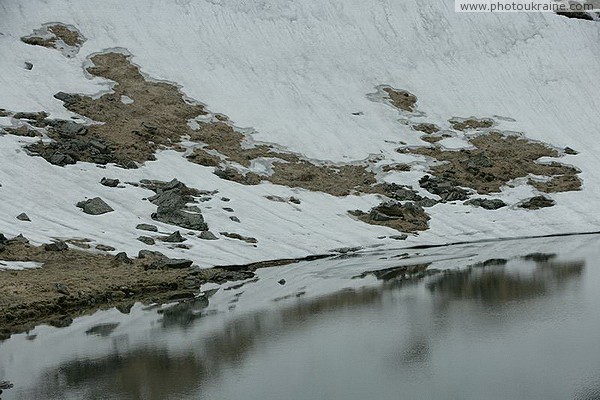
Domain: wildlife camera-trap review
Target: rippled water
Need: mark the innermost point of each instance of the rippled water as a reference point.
(515, 320)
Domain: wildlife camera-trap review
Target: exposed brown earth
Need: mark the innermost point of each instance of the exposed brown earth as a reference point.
(74, 282)
(497, 160)
(471, 123)
(426, 128)
(50, 35)
(401, 99)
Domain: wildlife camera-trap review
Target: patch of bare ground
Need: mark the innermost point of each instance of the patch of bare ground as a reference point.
(74, 282)
(463, 124)
(56, 36)
(497, 160)
(401, 99)
(426, 128)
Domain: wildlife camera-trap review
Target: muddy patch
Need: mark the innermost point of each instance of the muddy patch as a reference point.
(65, 38)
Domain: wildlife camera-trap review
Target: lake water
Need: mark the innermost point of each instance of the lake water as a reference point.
(506, 320)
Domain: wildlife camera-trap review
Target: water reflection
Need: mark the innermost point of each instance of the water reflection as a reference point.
(153, 372)
(495, 284)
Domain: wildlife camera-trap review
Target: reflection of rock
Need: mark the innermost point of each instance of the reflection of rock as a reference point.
(102, 329)
(495, 284)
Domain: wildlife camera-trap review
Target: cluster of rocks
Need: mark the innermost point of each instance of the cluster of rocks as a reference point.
(403, 193)
(443, 187)
(172, 199)
(488, 204)
(537, 202)
(408, 217)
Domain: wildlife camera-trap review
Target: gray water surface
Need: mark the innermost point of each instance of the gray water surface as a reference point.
(518, 321)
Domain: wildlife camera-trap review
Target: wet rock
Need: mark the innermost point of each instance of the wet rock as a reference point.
(122, 258)
(110, 182)
(147, 227)
(58, 245)
(174, 237)
(103, 247)
(488, 204)
(443, 187)
(62, 288)
(23, 217)
(95, 206)
(537, 202)
(146, 240)
(207, 235)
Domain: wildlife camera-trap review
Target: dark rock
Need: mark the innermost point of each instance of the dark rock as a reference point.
(3, 239)
(400, 192)
(488, 204)
(103, 247)
(110, 182)
(28, 66)
(95, 206)
(18, 239)
(294, 200)
(23, 217)
(68, 129)
(122, 258)
(147, 227)
(62, 288)
(225, 199)
(66, 97)
(207, 235)
(171, 200)
(281, 282)
(537, 202)
(445, 188)
(174, 263)
(150, 254)
(570, 151)
(61, 159)
(32, 116)
(174, 237)
(228, 209)
(399, 237)
(6, 385)
(426, 202)
(147, 240)
(58, 245)
(234, 219)
(239, 237)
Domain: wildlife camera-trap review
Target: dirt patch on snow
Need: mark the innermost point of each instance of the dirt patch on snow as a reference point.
(401, 99)
(58, 36)
(497, 160)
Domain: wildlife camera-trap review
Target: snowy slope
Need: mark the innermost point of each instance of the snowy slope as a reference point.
(294, 72)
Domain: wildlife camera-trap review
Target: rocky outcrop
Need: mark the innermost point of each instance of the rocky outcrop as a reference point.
(95, 206)
(172, 199)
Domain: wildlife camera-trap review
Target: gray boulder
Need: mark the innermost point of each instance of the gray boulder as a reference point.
(109, 182)
(23, 217)
(95, 206)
